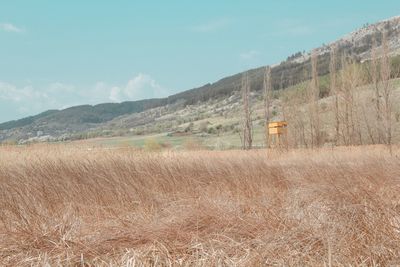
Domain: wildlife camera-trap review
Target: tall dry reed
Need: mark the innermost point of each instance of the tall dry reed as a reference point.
(67, 206)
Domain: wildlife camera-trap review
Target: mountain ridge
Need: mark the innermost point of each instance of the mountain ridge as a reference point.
(295, 69)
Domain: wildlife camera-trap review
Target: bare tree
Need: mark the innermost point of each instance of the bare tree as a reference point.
(293, 105)
(387, 90)
(347, 97)
(374, 72)
(335, 91)
(314, 108)
(367, 124)
(247, 138)
(351, 110)
(356, 82)
(282, 80)
(267, 101)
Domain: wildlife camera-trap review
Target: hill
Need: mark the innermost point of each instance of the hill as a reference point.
(77, 122)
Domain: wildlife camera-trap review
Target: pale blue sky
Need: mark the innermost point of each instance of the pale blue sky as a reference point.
(54, 54)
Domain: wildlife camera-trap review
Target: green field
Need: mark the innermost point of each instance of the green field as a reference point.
(223, 141)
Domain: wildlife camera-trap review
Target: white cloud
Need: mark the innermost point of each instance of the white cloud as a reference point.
(249, 55)
(18, 102)
(139, 87)
(115, 94)
(143, 84)
(8, 27)
(29, 100)
(61, 87)
(212, 26)
(10, 92)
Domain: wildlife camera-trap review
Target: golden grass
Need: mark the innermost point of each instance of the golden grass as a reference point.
(71, 206)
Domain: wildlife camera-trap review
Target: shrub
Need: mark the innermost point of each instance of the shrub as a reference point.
(211, 130)
(152, 145)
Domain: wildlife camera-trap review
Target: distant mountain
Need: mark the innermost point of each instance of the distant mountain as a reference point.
(85, 114)
(295, 69)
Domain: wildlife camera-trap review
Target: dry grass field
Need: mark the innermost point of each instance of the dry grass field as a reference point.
(73, 206)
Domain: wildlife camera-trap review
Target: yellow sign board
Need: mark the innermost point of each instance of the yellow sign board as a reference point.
(278, 130)
(277, 124)
(277, 127)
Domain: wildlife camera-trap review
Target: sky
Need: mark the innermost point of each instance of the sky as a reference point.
(57, 54)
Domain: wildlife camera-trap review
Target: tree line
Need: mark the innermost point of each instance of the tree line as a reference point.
(356, 108)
